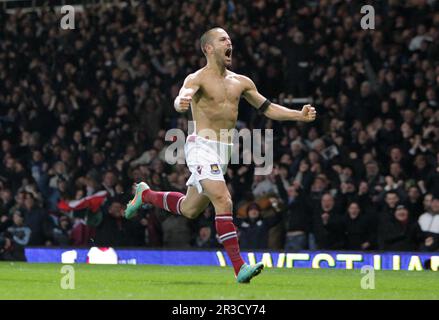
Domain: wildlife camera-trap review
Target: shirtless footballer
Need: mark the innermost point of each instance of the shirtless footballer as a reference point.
(212, 93)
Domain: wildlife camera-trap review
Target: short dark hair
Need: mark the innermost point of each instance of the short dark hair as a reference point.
(392, 192)
(206, 38)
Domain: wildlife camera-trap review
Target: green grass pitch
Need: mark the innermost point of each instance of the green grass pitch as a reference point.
(42, 281)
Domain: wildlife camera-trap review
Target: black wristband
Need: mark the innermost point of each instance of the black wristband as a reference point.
(264, 106)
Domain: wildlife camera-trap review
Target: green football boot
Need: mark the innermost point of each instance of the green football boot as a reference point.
(247, 272)
(136, 202)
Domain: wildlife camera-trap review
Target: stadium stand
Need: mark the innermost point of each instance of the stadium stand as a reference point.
(86, 110)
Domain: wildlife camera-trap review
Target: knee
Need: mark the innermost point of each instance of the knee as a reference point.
(223, 201)
(190, 213)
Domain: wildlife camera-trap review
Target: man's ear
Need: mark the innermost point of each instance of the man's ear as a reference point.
(208, 48)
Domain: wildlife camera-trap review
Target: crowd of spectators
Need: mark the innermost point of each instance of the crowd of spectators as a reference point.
(87, 109)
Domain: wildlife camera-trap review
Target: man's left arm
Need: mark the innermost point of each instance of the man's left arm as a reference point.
(272, 110)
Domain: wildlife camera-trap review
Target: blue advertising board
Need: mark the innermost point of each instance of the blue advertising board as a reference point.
(304, 259)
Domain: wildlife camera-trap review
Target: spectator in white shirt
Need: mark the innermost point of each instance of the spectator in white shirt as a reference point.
(429, 225)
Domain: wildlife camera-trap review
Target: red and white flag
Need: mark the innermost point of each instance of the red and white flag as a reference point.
(92, 202)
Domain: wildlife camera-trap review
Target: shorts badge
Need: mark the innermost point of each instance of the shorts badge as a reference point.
(214, 168)
(199, 169)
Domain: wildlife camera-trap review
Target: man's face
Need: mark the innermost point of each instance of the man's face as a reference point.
(350, 187)
(318, 185)
(365, 89)
(109, 179)
(389, 125)
(18, 219)
(6, 145)
(62, 185)
(205, 233)
(392, 199)
(395, 155)
(77, 136)
(363, 187)
(298, 38)
(420, 162)
(36, 156)
(64, 223)
(19, 199)
(29, 202)
(222, 47)
(253, 213)
(427, 202)
(60, 167)
(413, 193)
(327, 202)
(304, 166)
(6, 195)
(402, 215)
(97, 158)
(371, 169)
(116, 210)
(353, 210)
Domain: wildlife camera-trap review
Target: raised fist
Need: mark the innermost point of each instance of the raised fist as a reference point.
(182, 104)
(308, 113)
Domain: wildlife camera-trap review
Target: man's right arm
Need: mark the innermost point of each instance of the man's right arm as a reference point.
(190, 86)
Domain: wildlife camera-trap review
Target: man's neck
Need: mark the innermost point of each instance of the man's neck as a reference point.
(219, 69)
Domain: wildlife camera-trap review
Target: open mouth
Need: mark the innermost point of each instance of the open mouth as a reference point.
(228, 53)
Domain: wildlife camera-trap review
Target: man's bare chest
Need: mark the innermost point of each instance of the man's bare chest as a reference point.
(220, 90)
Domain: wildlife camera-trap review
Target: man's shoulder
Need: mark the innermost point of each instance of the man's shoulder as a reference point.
(205, 71)
(198, 73)
(194, 76)
(238, 76)
(204, 74)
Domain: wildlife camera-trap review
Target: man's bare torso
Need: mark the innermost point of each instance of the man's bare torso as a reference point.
(215, 104)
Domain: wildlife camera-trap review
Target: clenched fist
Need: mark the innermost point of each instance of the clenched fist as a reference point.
(308, 113)
(182, 104)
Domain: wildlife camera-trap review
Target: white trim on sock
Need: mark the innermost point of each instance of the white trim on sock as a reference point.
(165, 203)
(229, 237)
(178, 204)
(227, 234)
(225, 217)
